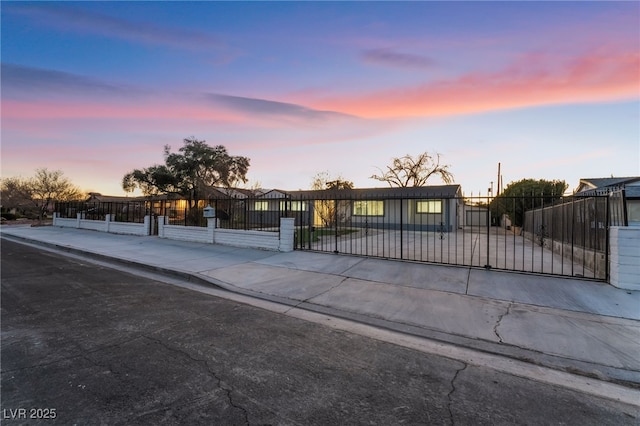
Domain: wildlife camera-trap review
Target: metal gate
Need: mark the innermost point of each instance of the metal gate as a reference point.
(561, 236)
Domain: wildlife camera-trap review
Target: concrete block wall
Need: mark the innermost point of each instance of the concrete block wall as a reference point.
(250, 239)
(126, 228)
(64, 222)
(94, 225)
(624, 258)
(104, 225)
(277, 241)
(196, 234)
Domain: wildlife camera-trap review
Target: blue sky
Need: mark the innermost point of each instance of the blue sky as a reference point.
(551, 90)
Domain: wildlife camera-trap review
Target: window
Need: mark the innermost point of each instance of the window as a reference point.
(633, 211)
(429, 206)
(293, 206)
(368, 208)
(261, 206)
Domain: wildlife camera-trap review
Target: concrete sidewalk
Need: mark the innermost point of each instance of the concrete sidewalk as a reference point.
(579, 326)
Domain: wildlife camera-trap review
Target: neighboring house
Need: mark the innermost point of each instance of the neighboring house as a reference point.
(428, 208)
(603, 186)
(96, 197)
(239, 193)
(478, 216)
(632, 201)
(266, 207)
(122, 208)
(629, 187)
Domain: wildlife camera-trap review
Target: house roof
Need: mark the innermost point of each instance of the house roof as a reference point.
(632, 192)
(434, 191)
(271, 193)
(440, 191)
(595, 186)
(96, 196)
(220, 192)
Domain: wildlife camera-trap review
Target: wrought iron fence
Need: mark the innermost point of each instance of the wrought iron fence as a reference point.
(618, 208)
(132, 211)
(546, 235)
(230, 213)
(262, 214)
(550, 235)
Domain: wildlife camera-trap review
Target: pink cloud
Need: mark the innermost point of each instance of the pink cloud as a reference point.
(532, 80)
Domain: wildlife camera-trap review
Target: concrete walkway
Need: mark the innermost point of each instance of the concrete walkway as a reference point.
(579, 326)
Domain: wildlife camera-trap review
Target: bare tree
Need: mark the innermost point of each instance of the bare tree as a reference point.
(15, 194)
(330, 210)
(409, 171)
(39, 191)
(323, 180)
(48, 187)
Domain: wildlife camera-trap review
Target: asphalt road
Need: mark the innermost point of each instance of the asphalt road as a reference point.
(86, 344)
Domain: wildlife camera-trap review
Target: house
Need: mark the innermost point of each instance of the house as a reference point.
(121, 208)
(266, 207)
(603, 186)
(96, 197)
(625, 188)
(427, 208)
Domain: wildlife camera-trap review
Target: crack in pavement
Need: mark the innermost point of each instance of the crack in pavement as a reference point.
(453, 389)
(495, 327)
(228, 391)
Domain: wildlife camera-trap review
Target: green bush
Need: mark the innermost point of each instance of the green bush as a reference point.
(9, 216)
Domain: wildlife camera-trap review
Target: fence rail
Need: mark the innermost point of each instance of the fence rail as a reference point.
(132, 211)
(549, 235)
(231, 213)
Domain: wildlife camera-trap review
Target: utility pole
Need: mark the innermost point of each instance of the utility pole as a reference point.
(498, 190)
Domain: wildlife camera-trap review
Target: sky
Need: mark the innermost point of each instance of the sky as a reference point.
(550, 90)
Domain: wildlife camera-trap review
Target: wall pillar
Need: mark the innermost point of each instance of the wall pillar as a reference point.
(287, 233)
(79, 216)
(624, 258)
(211, 229)
(161, 221)
(107, 221)
(147, 225)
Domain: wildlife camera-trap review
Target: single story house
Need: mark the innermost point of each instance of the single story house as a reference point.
(428, 208)
(628, 188)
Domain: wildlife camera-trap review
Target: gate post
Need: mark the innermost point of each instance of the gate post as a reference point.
(335, 220)
(287, 231)
(607, 232)
(147, 225)
(401, 229)
(161, 221)
(488, 264)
